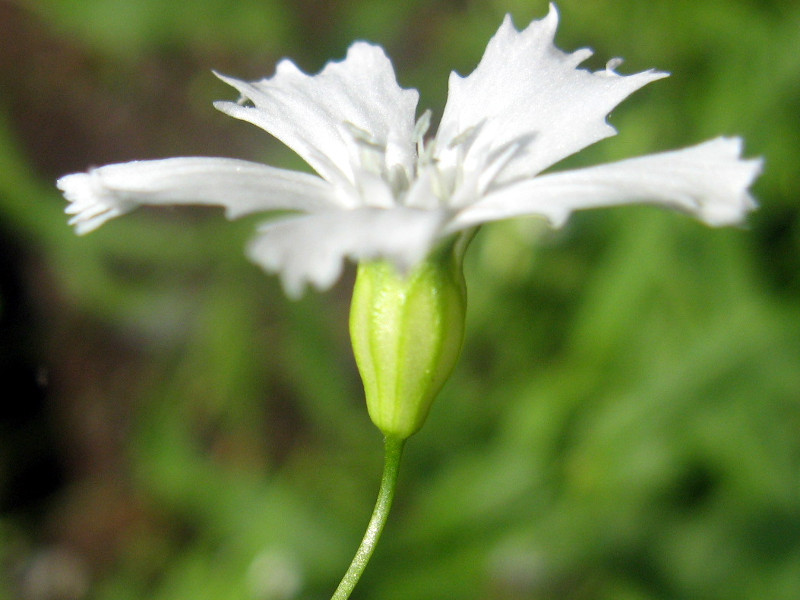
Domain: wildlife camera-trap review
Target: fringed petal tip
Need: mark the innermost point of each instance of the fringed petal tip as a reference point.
(521, 69)
(295, 273)
(709, 181)
(727, 199)
(306, 112)
(90, 203)
(311, 250)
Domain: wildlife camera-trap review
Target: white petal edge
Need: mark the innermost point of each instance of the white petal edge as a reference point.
(525, 90)
(242, 187)
(311, 249)
(315, 115)
(709, 180)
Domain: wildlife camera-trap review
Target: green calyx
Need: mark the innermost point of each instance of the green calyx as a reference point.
(407, 330)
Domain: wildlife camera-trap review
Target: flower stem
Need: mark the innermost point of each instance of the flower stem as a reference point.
(393, 450)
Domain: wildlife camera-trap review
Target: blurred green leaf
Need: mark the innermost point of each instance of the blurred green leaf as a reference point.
(624, 420)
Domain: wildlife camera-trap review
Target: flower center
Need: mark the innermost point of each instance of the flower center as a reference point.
(430, 182)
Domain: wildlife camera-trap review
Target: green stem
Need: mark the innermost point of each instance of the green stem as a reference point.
(393, 448)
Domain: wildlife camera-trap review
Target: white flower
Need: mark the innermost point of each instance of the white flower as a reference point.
(384, 190)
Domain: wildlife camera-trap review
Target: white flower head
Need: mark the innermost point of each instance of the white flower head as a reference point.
(384, 190)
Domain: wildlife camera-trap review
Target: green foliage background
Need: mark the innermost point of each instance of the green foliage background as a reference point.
(625, 420)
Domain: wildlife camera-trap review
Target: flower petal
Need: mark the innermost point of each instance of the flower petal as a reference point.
(328, 117)
(240, 186)
(311, 249)
(709, 180)
(527, 91)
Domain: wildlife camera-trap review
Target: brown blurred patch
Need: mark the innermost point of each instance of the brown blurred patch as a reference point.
(72, 107)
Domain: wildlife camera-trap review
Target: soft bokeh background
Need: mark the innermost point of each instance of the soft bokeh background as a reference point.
(624, 423)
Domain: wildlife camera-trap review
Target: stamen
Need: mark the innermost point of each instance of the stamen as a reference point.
(424, 151)
(371, 154)
(495, 165)
(461, 137)
(443, 183)
(466, 137)
(422, 125)
(361, 136)
(398, 181)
